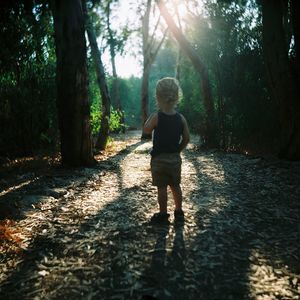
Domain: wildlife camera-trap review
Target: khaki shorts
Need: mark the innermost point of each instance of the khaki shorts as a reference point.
(166, 169)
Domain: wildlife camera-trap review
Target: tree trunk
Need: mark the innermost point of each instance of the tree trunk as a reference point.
(105, 98)
(283, 78)
(210, 131)
(71, 75)
(145, 97)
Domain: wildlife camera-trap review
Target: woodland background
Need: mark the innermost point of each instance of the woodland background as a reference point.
(237, 63)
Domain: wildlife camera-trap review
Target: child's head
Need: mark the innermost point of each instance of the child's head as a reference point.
(167, 92)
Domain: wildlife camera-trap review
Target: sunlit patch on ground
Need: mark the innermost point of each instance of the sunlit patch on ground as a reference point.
(269, 282)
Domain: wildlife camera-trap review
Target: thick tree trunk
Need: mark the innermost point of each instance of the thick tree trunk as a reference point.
(105, 97)
(210, 131)
(283, 78)
(72, 93)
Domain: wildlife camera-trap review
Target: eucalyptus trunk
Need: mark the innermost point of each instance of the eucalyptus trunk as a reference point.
(72, 86)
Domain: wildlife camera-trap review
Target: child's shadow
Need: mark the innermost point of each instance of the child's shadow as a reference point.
(167, 267)
(178, 250)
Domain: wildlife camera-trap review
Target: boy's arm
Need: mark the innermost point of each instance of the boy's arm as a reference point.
(185, 135)
(150, 124)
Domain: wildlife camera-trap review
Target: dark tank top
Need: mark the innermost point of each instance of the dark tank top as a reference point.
(167, 134)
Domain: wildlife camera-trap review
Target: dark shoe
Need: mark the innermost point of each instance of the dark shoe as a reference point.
(160, 219)
(179, 216)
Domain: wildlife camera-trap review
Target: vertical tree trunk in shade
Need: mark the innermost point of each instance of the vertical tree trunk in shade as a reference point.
(145, 92)
(283, 75)
(210, 131)
(101, 80)
(72, 91)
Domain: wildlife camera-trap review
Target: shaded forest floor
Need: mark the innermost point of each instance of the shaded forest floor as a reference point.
(82, 233)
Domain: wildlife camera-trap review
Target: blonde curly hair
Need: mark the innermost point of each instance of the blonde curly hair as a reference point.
(168, 91)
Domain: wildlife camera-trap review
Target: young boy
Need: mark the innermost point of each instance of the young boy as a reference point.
(171, 135)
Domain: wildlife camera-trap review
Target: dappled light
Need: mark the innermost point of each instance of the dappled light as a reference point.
(16, 187)
(266, 278)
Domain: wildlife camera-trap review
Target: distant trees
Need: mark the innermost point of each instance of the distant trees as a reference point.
(72, 90)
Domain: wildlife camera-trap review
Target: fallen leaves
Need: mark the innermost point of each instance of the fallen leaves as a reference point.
(10, 237)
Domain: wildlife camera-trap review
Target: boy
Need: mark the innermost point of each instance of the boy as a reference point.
(171, 135)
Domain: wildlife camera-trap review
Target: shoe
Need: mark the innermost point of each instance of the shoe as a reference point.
(179, 216)
(160, 219)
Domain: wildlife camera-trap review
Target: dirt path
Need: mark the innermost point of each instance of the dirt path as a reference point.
(83, 234)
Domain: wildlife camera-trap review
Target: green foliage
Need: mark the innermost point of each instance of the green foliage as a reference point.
(115, 121)
(27, 82)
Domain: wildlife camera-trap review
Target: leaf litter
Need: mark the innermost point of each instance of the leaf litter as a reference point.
(83, 233)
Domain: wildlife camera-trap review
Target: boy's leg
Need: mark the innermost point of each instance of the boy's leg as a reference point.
(161, 217)
(162, 197)
(177, 195)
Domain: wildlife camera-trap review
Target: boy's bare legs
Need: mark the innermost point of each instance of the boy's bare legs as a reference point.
(162, 197)
(177, 195)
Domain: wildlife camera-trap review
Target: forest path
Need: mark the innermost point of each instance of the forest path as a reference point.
(83, 233)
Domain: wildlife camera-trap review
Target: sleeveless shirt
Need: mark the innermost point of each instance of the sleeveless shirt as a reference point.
(167, 134)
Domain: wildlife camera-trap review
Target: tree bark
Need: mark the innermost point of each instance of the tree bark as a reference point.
(210, 131)
(71, 75)
(105, 97)
(145, 92)
(283, 78)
